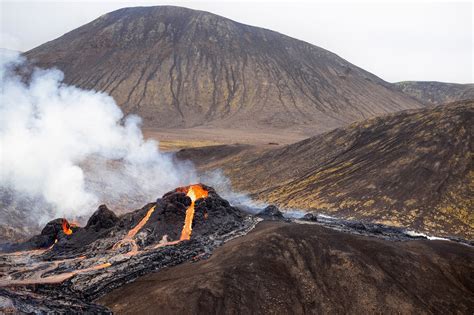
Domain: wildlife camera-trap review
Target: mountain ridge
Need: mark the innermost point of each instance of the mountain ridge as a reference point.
(178, 67)
(436, 93)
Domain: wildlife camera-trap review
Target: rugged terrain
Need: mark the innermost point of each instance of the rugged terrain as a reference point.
(436, 93)
(308, 269)
(177, 67)
(62, 269)
(412, 169)
(312, 264)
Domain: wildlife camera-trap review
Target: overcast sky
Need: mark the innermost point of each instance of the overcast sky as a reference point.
(405, 40)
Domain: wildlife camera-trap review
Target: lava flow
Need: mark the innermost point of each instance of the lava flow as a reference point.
(112, 250)
(194, 192)
(128, 239)
(140, 224)
(66, 227)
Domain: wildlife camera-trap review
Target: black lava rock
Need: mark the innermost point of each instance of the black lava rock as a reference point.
(271, 213)
(103, 218)
(310, 217)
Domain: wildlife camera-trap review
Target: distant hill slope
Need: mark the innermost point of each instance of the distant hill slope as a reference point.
(307, 269)
(435, 93)
(177, 67)
(413, 169)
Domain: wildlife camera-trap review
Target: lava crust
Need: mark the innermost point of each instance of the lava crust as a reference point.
(110, 251)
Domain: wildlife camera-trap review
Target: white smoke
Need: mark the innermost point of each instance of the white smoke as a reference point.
(74, 148)
(223, 186)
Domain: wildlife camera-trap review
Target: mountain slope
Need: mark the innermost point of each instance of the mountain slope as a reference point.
(435, 93)
(177, 67)
(413, 169)
(307, 269)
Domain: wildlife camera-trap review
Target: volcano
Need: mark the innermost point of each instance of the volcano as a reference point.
(177, 67)
(68, 268)
(78, 264)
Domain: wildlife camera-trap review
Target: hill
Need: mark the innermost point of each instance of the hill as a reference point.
(307, 269)
(177, 67)
(436, 93)
(413, 169)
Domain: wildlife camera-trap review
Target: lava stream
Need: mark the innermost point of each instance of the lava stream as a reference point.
(140, 224)
(194, 192)
(128, 239)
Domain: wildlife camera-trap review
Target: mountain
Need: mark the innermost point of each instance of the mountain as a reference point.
(177, 67)
(435, 93)
(283, 268)
(413, 169)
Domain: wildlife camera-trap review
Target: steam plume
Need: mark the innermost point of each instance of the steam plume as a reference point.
(73, 148)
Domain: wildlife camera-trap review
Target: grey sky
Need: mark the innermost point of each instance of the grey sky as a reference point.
(397, 41)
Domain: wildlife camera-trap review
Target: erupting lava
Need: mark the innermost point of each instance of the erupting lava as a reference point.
(67, 227)
(194, 192)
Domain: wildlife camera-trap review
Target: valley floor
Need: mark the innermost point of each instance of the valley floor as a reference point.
(175, 139)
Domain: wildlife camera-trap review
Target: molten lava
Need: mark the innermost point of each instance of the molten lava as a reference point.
(194, 192)
(128, 239)
(66, 227)
(140, 224)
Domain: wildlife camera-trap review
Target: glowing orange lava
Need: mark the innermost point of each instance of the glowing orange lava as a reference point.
(140, 224)
(194, 192)
(66, 227)
(128, 239)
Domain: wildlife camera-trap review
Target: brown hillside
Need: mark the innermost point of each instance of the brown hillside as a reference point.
(177, 67)
(413, 169)
(436, 93)
(307, 269)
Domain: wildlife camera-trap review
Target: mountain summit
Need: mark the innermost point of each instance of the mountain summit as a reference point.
(177, 67)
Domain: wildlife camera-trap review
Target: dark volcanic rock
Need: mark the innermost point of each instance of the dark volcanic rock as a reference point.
(103, 218)
(17, 300)
(112, 251)
(310, 217)
(49, 234)
(212, 216)
(271, 213)
(52, 228)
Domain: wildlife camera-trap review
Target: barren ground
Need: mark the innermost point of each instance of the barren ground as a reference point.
(176, 139)
(283, 268)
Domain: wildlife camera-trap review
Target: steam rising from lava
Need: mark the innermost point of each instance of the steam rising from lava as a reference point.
(74, 148)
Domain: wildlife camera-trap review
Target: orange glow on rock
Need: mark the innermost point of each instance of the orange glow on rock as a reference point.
(194, 192)
(66, 227)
